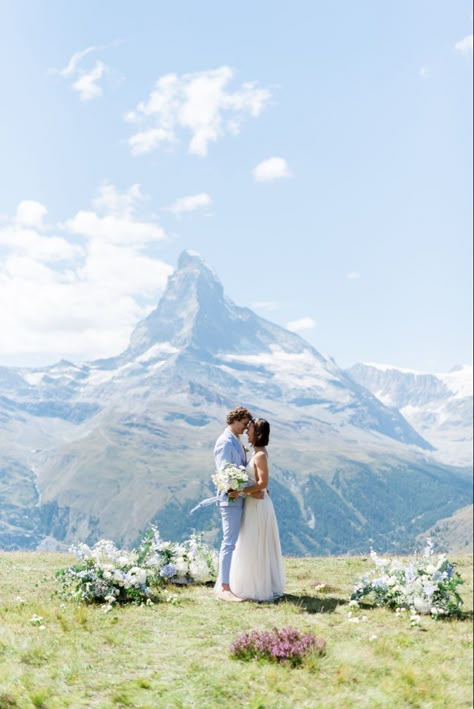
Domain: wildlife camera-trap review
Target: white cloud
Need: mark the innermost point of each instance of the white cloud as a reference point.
(78, 292)
(302, 324)
(464, 45)
(271, 169)
(424, 72)
(31, 213)
(197, 103)
(149, 140)
(353, 275)
(190, 203)
(87, 85)
(264, 305)
(117, 230)
(86, 80)
(110, 200)
(73, 65)
(37, 247)
(117, 224)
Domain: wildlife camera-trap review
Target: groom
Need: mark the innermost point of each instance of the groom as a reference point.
(229, 449)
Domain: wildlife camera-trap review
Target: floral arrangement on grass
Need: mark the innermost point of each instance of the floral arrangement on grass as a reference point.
(424, 585)
(190, 561)
(106, 574)
(287, 645)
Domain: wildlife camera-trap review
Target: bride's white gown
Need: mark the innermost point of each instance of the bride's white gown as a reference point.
(257, 571)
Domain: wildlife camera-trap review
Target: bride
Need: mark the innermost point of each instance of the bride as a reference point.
(257, 566)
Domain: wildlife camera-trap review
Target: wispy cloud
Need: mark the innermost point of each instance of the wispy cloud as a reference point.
(264, 305)
(465, 45)
(191, 203)
(72, 66)
(85, 79)
(271, 169)
(424, 72)
(301, 324)
(79, 287)
(199, 104)
(353, 275)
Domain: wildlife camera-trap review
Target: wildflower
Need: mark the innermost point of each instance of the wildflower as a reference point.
(287, 645)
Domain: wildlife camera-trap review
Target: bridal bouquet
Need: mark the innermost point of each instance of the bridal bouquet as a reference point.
(230, 477)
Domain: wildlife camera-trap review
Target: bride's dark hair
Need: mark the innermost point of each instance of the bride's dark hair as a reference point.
(262, 433)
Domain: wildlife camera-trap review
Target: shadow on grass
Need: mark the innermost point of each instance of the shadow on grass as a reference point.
(313, 604)
(461, 616)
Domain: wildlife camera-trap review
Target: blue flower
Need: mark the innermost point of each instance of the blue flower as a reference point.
(168, 571)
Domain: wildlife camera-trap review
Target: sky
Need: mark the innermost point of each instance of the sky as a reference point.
(318, 155)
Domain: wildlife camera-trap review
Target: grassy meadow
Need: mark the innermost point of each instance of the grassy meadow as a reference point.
(176, 654)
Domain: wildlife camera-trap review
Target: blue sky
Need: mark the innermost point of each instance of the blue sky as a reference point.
(318, 155)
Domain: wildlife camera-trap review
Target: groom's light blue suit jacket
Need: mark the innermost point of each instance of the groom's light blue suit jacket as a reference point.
(228, 449)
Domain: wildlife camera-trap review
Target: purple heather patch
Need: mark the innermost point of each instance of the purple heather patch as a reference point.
(287, 645)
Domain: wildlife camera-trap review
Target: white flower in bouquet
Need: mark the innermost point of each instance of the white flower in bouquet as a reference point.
(137, 576)
(230, 477)
(199, 570)
(182, 566)
(422, 605)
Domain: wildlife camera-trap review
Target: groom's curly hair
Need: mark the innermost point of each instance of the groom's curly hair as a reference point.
(238, 414)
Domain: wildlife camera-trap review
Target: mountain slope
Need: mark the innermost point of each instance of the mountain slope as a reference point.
(127, 441)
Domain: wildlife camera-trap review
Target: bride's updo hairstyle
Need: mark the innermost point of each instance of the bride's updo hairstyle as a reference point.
(261, 433)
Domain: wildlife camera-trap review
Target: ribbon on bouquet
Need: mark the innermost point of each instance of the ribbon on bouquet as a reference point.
(205, 503)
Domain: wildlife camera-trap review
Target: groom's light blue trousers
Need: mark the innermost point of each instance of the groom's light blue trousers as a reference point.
(231, 518)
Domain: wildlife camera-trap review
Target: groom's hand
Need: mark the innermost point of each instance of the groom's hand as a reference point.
(259, 495)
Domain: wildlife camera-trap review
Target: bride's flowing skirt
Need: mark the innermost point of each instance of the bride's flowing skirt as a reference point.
(257, 571)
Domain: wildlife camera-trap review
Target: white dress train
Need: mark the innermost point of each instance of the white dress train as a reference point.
(257, 571)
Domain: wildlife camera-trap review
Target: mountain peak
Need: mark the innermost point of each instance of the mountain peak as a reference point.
(195, 314)
(192, 289)
(188, 258)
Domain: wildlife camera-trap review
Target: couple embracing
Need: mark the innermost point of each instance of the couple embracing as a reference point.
(250, 560)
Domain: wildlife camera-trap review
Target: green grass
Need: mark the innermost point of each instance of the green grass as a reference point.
(177, 656)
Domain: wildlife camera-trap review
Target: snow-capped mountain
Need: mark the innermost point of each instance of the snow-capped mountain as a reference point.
(438, 406)
(104, 448)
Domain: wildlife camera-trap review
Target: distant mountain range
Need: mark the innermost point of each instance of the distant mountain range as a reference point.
(438, 406)
(103, 449)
